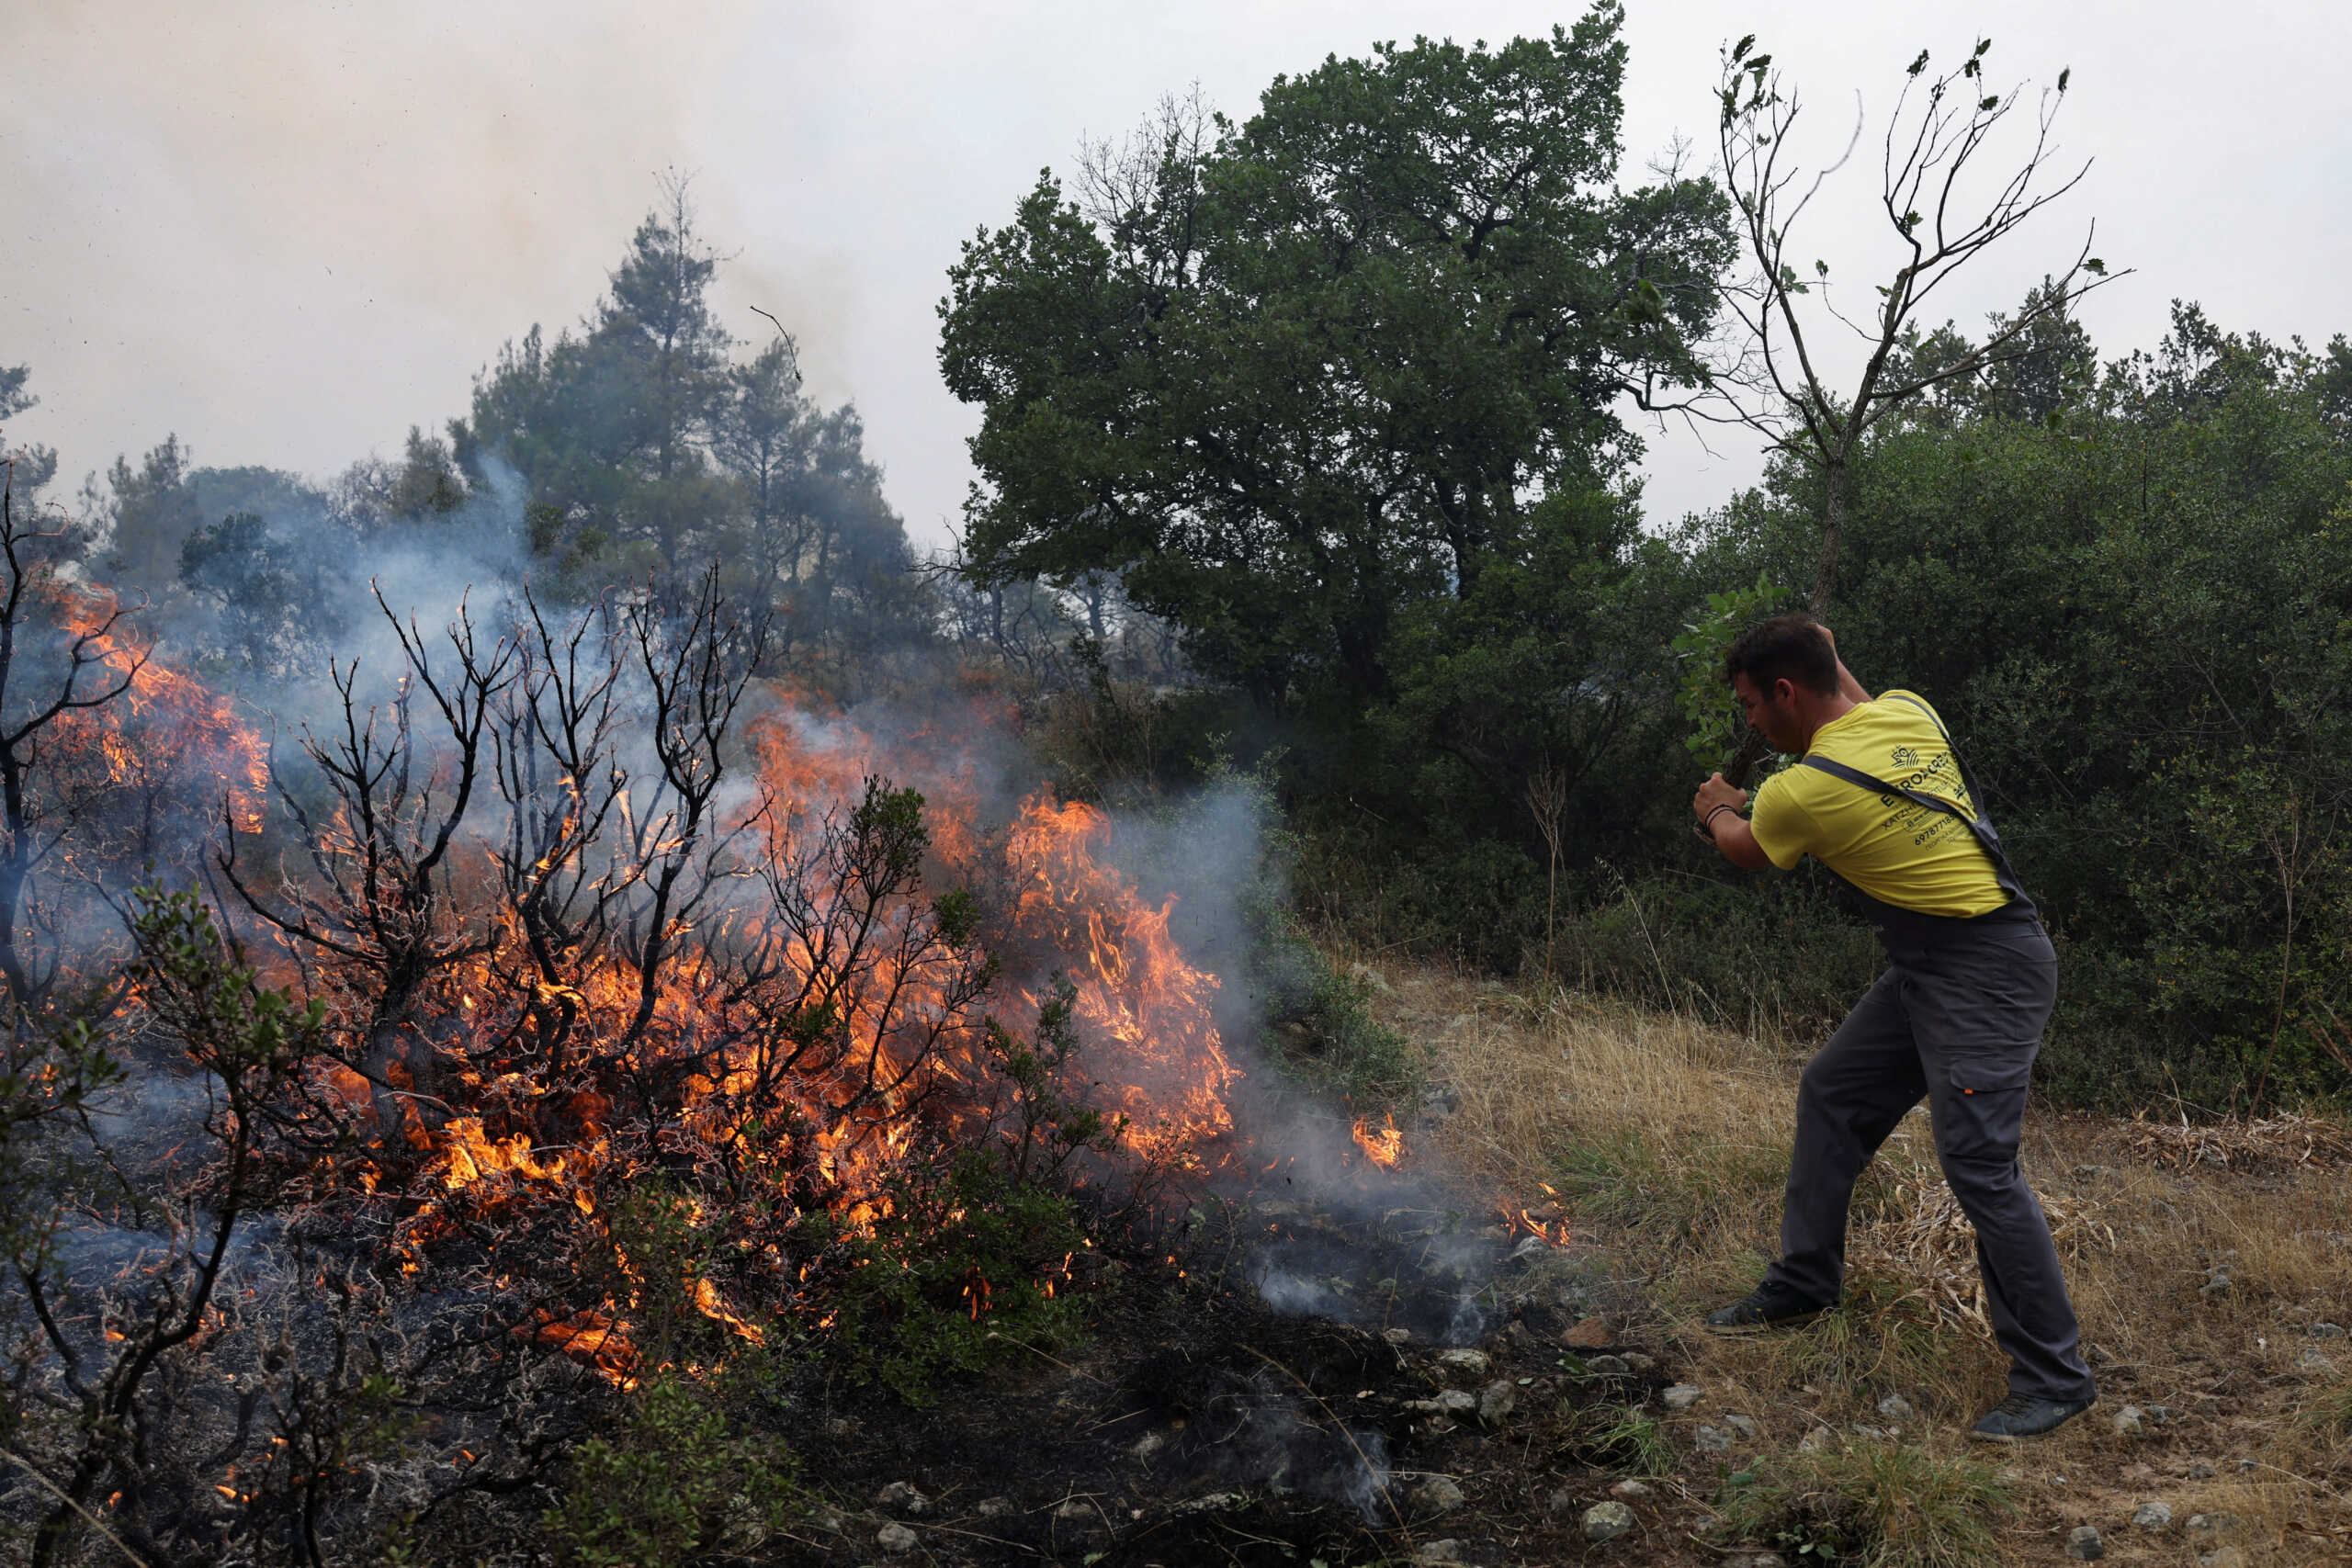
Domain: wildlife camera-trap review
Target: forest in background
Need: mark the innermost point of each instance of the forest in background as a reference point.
(515, 1100)
(1308, 449)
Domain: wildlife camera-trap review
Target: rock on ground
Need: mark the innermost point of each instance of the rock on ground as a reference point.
(2084, 1545)
(895, 1539)
(1683, 1396)
(1895, 1407)
(1606, 1522)
(1497, 1401)
(900, 1498)
(2152, 1516)
(1438, 1495)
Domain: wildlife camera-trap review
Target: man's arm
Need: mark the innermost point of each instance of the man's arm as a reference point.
(1728, 826)
(1848, 687)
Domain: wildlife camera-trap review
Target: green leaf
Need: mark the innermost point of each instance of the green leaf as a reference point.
(2062, 75)
(1739, 50)
(2094, 266)
(1821, 267)
(1991, 103)
(1919, 65)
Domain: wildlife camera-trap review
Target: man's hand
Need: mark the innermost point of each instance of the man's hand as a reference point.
(1729, 830)
(1718, 791)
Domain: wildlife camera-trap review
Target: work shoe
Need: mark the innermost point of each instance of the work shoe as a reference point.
(2023, 1416)
(1769, 1305)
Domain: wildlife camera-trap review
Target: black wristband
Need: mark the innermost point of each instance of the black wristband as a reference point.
(1708, 825)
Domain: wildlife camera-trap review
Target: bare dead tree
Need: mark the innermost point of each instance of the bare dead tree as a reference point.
(696, 667)
(380, 901)
(1775, 376)
(556, 738)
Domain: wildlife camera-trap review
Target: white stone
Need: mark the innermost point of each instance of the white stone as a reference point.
(1497, 1401)
(895, 1539)
(1896, 1408)
(2153, 1516)
(1606, 1522)
(1471, 1362)
(1682, 1395)
(1632, 1489)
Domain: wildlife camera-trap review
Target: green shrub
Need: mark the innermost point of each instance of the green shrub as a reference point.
(672, 1483)
(964, 1268)
(1773, 955)
(1320, 1027)
(967, 1258)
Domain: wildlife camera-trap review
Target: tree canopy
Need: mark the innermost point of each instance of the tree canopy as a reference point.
(1291, 376)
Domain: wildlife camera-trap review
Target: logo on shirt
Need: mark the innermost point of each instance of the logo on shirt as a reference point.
(1904, 757)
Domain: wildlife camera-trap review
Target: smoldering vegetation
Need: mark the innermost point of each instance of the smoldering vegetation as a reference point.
(550, 955)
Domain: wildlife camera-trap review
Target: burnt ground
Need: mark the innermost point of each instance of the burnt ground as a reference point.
(1195, 1424)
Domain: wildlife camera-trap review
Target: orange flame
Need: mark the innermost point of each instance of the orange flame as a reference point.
(1547, 1222)
(1383, 1148)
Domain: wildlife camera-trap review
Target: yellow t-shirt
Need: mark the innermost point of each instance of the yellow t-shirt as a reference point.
(1893, 849)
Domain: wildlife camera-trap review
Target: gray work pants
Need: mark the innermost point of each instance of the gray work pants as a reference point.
(1956, 1018)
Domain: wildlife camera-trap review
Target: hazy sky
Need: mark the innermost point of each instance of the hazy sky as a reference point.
(287, 231)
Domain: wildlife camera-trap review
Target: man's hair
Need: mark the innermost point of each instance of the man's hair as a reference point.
(1790, 647)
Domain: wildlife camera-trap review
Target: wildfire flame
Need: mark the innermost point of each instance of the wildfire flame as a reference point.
(167, 732)
(1384, 1148)
(1143, 1014)
(1547, 1222)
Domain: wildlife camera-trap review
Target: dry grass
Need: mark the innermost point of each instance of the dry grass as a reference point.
(2236, 1145)
(1667, 1139)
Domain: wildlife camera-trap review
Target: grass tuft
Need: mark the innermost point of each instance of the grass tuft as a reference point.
(1872, 1504)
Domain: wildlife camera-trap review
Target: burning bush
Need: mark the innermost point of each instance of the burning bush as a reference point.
(579, 1018)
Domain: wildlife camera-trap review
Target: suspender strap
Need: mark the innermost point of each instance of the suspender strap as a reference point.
(1978, 824)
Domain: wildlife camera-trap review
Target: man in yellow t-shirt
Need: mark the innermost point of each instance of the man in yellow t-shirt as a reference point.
(1879, 797)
